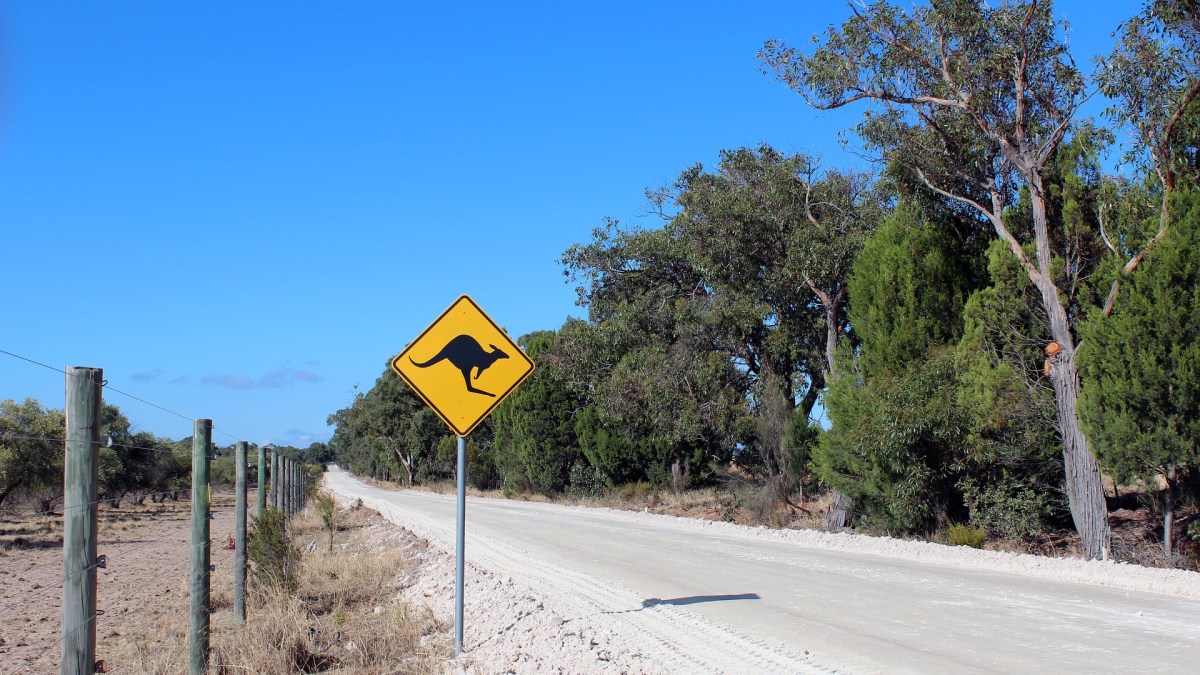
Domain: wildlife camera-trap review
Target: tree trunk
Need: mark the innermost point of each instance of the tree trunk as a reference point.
(8, 490)
(407, 463)
(839, 511)
(1169, 512)
(1085, 486)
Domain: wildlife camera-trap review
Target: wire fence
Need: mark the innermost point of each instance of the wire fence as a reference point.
(120, 582)
(122, 585)
(108, 387)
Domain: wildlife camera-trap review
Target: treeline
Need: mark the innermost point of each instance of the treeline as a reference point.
(990, 321)
(132, 465)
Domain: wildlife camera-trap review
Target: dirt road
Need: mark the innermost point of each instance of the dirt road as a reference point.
(699, 597)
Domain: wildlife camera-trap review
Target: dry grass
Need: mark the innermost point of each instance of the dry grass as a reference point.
(345, 616)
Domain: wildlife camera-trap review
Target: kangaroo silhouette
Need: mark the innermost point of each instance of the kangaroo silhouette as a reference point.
(466, 354)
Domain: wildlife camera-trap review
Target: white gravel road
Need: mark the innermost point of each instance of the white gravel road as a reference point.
(677, 595)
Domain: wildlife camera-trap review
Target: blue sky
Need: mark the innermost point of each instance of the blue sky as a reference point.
(242, 210)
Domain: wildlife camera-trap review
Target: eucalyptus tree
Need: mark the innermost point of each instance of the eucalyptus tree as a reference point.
(1153, 76)
(29, 463)
(386, 427)
(975, 100)
(778, 234)
(744, 292)
(660, 398)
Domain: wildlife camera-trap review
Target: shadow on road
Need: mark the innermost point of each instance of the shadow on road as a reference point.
(696, 599)
(689, 600)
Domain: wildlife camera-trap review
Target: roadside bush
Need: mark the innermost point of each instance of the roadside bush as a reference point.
(965, 535)
(273, 556)
(327, 510)
(585, 481)
(1007, 511)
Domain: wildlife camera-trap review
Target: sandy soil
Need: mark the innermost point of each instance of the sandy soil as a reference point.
(143, 588)
(516, 629)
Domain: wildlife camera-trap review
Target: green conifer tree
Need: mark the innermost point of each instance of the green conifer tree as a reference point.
(1140, 367)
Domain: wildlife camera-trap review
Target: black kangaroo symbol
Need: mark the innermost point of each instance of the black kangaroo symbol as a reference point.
(466, 355)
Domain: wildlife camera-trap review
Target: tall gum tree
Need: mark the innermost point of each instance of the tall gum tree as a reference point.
(1153, 77)
(976, 101)
(781, 233)
(751, 265)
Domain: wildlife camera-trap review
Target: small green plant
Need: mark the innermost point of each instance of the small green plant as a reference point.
(965, 535)
(585, 481)
(327, 508)
(728, 507)
(273, 556)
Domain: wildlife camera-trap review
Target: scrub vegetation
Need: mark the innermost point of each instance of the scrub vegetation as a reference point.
(991, 328)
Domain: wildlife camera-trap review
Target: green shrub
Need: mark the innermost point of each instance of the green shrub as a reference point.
(222, 471)
(273, 556)
(327, 508)
(965, 535)
(585, 481)
(1007, 509)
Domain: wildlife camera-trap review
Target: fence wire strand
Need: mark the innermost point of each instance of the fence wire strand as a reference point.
(125, 553)
(180, 568)
(30, 660)
(113, 389)
(61, 582)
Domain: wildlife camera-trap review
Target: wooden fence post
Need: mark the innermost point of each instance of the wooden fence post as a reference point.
(279, 482)
(291, 487)
(262, 482)
(239, 535)
(283, 486)
(299, 487)
(80, 493)
(295, 491)
(198, 635)
(275, 482)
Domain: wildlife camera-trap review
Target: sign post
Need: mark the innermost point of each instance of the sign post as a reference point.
(460, 537)
(462, 366)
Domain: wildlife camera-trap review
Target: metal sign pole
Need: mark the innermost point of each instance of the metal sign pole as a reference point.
(459, 545)
(435, 366)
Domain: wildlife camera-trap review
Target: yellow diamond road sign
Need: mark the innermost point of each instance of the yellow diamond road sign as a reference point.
(463, 365)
